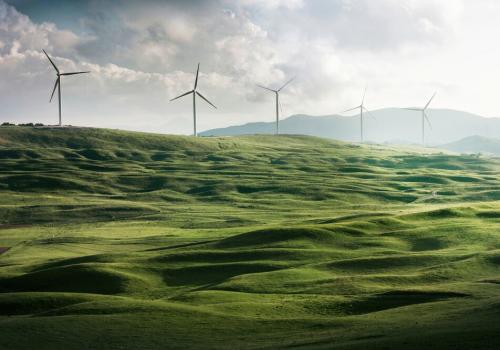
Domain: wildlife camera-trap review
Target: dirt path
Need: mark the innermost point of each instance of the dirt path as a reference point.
(432, 195)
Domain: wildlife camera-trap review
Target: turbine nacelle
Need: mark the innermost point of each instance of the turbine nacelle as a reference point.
(278, 103)
(362, 109)
(425, 117)
(57, 84)
(277, 91)
(195, 92)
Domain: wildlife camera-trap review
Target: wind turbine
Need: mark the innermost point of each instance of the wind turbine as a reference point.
(424, 116)
(278, 103)
(195, 92)
(362, 108)
(58, 84)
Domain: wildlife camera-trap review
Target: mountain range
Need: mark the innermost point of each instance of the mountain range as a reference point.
(474, 144)
(390, 125)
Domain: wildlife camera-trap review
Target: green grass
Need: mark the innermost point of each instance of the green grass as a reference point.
(113, 240)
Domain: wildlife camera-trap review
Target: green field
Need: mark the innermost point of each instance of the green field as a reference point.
(122, 240)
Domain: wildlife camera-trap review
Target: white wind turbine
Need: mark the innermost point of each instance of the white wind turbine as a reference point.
(195, 92)
(58, 84)
(278, 103)
(424, 116)
(362, 108)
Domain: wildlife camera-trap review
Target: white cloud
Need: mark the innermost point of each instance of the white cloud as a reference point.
(402, 49)
(18, 28)
(389, 24)
(274, 4)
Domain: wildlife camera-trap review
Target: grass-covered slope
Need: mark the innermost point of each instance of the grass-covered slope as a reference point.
(112, 240)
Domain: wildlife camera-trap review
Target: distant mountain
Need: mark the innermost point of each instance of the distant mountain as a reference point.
(391, 125)
(474, 144)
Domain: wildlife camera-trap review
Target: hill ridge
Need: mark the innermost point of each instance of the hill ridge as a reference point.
(245, 242)
(448, 125)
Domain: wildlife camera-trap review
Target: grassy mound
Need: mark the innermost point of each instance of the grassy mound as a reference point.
(81, 278)
(279, 237)
(113, 239)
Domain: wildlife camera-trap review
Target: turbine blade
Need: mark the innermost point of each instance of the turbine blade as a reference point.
(363, 100)
(54, 90)
(427, 120)
(263, 87)
(288, 82)
(281, 107)
(196, 80)
(73, 73)
(57, 70)
(349, 110)
(428, 103)
(203, 97)
(369, 112)
(187, 93)
(413, 109)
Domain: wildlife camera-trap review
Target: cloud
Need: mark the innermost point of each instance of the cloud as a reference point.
(371, 25)
(144, 53)
(273, 4)
(17, 29)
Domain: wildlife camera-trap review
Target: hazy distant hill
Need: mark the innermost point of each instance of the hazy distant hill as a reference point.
(474, 144)
(388, 125)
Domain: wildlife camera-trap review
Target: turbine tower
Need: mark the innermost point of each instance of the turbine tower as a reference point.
(58, 84)
(362, 108)
(424, 116)
(195, 92)
(278, 103)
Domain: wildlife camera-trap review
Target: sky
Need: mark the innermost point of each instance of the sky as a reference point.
(143, 53)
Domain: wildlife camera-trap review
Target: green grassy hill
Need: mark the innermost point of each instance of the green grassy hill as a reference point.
(113, 240)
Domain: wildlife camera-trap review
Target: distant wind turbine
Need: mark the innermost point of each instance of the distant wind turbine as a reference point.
(424, 116)
(195, 92)
(362, 108)
(58, 84)
(278, 103)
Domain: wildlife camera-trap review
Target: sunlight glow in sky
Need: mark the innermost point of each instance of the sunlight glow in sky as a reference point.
(142, 53)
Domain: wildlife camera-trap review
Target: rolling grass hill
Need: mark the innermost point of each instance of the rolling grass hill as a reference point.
(113, 240)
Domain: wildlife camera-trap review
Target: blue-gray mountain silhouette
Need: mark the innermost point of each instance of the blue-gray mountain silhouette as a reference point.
(474, 144)
(388, 125)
